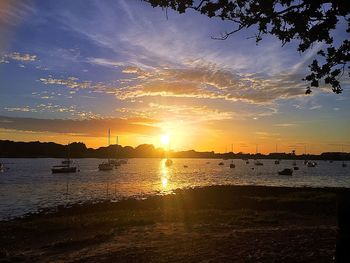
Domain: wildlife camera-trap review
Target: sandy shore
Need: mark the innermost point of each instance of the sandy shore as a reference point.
(211, 224)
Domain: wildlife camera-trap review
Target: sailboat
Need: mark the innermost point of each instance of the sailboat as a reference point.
(232, 165)
(116, 162)
(257, 162)
(168, 161)
(277, 161)
(66, 166)
(305, 161)
(107, 166)
(343, 163)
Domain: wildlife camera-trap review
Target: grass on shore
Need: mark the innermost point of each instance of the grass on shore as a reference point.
(236, 217)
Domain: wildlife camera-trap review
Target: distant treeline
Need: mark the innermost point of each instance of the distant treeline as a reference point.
(10, 149)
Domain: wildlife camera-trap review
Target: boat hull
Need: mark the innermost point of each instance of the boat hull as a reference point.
(105, 167)
(64, 170)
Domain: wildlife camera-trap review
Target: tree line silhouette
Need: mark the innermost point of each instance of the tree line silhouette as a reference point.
(11, 149)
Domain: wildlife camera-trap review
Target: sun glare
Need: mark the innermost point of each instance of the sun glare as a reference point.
(165, 139)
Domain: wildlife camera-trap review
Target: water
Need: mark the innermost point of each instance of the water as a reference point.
(28, 185)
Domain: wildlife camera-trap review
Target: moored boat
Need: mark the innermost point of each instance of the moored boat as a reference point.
(232, 165)
(258, 163)
(168, 162)
(109, 165)
(286, 171)
(66, 166)
(105, 166)
(311, 164)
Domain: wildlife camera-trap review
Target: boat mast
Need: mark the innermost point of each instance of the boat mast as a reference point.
(109, 140)
(68, 152)
(232, 152)
(116, 148)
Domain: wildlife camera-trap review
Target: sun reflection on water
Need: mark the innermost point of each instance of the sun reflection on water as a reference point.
(164, 173)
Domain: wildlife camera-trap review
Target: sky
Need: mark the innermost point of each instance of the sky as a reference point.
(70, 70)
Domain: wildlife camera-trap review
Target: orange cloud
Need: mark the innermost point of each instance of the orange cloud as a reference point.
(87, 127)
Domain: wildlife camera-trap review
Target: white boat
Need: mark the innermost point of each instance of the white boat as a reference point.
(311, 164)
(66, 166)
(2, 167)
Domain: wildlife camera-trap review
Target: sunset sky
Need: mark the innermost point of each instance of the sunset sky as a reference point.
(69, 70)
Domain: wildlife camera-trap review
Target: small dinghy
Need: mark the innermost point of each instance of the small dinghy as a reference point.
(286, 171)
(221, 163)
(168, 162)
(258, 163)
(296, 168)
(232, 165)
(311, 164)
(106, 166)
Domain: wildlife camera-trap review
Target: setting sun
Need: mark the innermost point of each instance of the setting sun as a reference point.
(165, 139)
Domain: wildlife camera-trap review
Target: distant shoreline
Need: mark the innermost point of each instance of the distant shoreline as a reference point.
(11, 149)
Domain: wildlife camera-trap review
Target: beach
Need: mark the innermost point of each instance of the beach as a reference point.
(208, 224)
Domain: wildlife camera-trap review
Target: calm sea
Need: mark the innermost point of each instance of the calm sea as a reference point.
(28, 184)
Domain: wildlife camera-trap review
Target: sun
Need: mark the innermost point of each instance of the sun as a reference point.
(165, 139)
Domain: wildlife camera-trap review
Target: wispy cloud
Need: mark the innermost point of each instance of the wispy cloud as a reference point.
(87, 127)
(186, 113)
(287, 125)
(70, 111)
(205, 81)
(23, 57)
(210, 81)
(70, 82)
